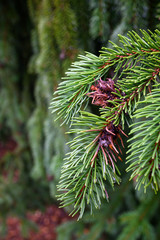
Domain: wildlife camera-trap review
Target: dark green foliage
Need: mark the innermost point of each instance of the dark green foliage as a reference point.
(144, 151)
(38, 42)
(92, 158)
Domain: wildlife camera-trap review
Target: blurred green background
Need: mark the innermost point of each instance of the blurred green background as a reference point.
(39, 39)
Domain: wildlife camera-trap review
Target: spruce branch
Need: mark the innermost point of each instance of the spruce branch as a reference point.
(71, 93)
(90, 164)
(96, 148)
(144, 152)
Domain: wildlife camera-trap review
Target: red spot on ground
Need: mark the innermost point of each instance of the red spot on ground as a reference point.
(6, 147)
(46, 224)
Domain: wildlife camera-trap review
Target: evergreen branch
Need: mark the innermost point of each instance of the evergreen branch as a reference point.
(134, 45)
(144, 154)
(138, 82)
(91, 162)
(97, 146)
(71, 93)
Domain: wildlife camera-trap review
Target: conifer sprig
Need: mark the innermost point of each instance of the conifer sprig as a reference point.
(91, 164)
(97, 148)
(144, 154)
(71, 93)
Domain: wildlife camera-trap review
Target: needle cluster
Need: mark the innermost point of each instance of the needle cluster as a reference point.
(130, 98)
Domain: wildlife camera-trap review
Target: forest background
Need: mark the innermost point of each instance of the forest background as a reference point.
(39, 39)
